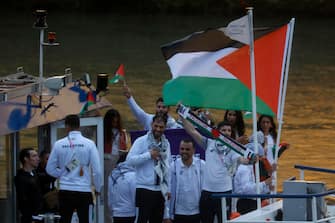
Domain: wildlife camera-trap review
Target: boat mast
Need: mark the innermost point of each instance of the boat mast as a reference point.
(42, 25)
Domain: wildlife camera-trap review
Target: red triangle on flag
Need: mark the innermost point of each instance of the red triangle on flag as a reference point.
(269, 61)
(215, 133)
(120, 70)
(90, 97)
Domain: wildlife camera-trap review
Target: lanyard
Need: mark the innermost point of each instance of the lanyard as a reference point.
(70, 142)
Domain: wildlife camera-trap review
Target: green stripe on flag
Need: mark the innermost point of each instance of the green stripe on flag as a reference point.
(116, 79)
(217, 93)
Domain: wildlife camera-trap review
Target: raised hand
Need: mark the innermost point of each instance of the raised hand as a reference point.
(126, 91)
(155, 155)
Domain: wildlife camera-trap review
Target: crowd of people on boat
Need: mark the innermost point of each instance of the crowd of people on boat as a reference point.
(143, 182)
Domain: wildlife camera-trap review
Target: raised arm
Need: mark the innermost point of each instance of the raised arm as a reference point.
(190, 129)
(141, 116)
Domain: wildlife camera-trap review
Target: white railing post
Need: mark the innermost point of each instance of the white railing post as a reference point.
(224, 209)
(314, 213)
(302, 174)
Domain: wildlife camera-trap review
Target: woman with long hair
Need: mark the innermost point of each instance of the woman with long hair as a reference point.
(237, 121)
(115, 138)
(267, 125)
(115, 144)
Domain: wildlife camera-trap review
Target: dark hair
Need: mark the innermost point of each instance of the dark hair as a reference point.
(160, 117)
(108, 118)
(72, 121)
(160, 99)
(25, 153)
(239, 125)
(188, 140)
(272, 131)
(226, 123)
(43, 153)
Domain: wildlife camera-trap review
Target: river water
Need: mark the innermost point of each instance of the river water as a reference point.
(309, 126)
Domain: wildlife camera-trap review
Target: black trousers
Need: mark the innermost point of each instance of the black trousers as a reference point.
(71, 200)
(150, 206)
(246, 205)
(124, 219)
(209, 207)
(186, 218)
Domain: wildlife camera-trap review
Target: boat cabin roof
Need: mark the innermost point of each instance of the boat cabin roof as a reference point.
(24, 105)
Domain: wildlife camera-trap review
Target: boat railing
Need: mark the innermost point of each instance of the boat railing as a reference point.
(302, 169)
(313, 197)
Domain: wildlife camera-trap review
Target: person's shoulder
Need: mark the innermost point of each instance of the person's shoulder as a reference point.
(141, 139)
(198, 161)
(87, 140)
(21, 175)
(62, 140)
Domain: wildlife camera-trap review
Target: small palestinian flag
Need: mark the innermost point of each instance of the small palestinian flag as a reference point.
(90, 100)
(119, 75)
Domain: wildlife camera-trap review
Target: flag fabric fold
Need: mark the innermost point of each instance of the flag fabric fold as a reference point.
(119, 75)
(211, 70)
(238, 30)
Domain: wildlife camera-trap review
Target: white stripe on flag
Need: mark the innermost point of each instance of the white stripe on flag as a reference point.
(201, 64)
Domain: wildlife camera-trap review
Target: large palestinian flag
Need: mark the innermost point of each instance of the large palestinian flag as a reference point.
(211, 70)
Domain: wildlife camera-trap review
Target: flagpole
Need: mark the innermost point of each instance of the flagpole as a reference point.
(124, 82)
(253, 89)
(281, 112)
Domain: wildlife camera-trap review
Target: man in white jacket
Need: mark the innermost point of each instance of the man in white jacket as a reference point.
(186, 183)
(245, 183)
(74, 159)
(150, 155)
(145, 119)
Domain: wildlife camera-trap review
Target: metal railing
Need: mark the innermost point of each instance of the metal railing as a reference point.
(302, 169)
(313, 197)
